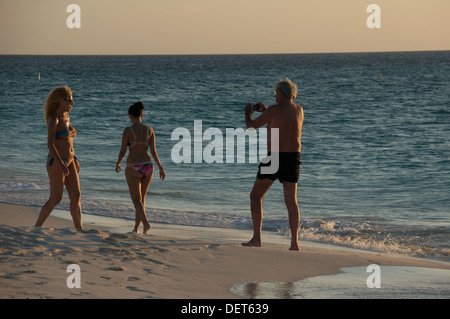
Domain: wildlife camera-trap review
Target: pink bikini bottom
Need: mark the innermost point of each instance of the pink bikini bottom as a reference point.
(145, 169)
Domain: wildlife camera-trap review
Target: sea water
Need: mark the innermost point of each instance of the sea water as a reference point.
(375, 170)
(396, 282)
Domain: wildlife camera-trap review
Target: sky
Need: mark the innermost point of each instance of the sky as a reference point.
(222, 26)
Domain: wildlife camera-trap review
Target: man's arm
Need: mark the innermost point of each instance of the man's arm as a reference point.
(263, 119)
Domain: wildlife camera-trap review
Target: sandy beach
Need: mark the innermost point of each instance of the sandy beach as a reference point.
(169, 263)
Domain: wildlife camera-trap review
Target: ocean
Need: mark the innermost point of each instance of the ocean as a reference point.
(375, 171)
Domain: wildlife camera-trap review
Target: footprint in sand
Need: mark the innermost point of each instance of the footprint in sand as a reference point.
(116, 268)
(133, 278)
(148, 271)
(93, 231)
(30, 271)
(9, 276)
(139, 290)
(40, 283)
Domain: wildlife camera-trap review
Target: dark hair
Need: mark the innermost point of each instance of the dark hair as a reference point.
(136, 109)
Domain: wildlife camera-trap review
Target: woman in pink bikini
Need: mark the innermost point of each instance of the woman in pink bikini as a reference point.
(139, 171)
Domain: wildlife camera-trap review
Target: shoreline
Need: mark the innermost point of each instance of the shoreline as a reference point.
(62, 218)
(172, 262)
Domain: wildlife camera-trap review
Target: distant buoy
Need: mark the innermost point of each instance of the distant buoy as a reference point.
(39, 76)
(380, 75)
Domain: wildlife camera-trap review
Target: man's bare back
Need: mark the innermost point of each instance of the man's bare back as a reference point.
(288, 118)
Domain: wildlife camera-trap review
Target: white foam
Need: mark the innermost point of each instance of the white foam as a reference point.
(13, 186)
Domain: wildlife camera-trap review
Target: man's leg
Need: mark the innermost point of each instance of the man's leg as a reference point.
(290, 199)
(259, 190)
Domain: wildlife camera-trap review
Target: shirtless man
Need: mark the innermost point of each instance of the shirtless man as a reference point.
(287, 117)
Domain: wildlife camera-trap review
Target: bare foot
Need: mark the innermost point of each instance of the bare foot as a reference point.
(252, 243)
(146, 229)
(294, 246)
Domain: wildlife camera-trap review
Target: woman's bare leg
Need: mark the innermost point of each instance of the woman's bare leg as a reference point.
(56, 192)
(72, 183)
(145, 183)
(134, 184)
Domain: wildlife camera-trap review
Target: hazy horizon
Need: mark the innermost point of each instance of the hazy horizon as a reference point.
(219, 27)
(218, 54)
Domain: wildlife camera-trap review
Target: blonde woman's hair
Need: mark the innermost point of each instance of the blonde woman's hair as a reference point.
(288, 88)
(52, 103)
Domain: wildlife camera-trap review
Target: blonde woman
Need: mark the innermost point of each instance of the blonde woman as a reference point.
(139, 171)
(62, 165)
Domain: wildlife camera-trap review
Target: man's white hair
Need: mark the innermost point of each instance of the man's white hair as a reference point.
(288, 88)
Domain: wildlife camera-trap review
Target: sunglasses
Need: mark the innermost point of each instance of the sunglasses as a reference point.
(70, 100)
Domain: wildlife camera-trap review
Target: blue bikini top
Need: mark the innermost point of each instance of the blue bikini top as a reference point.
(62, 134)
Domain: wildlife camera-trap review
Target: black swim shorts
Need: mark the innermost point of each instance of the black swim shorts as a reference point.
(288, 169)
